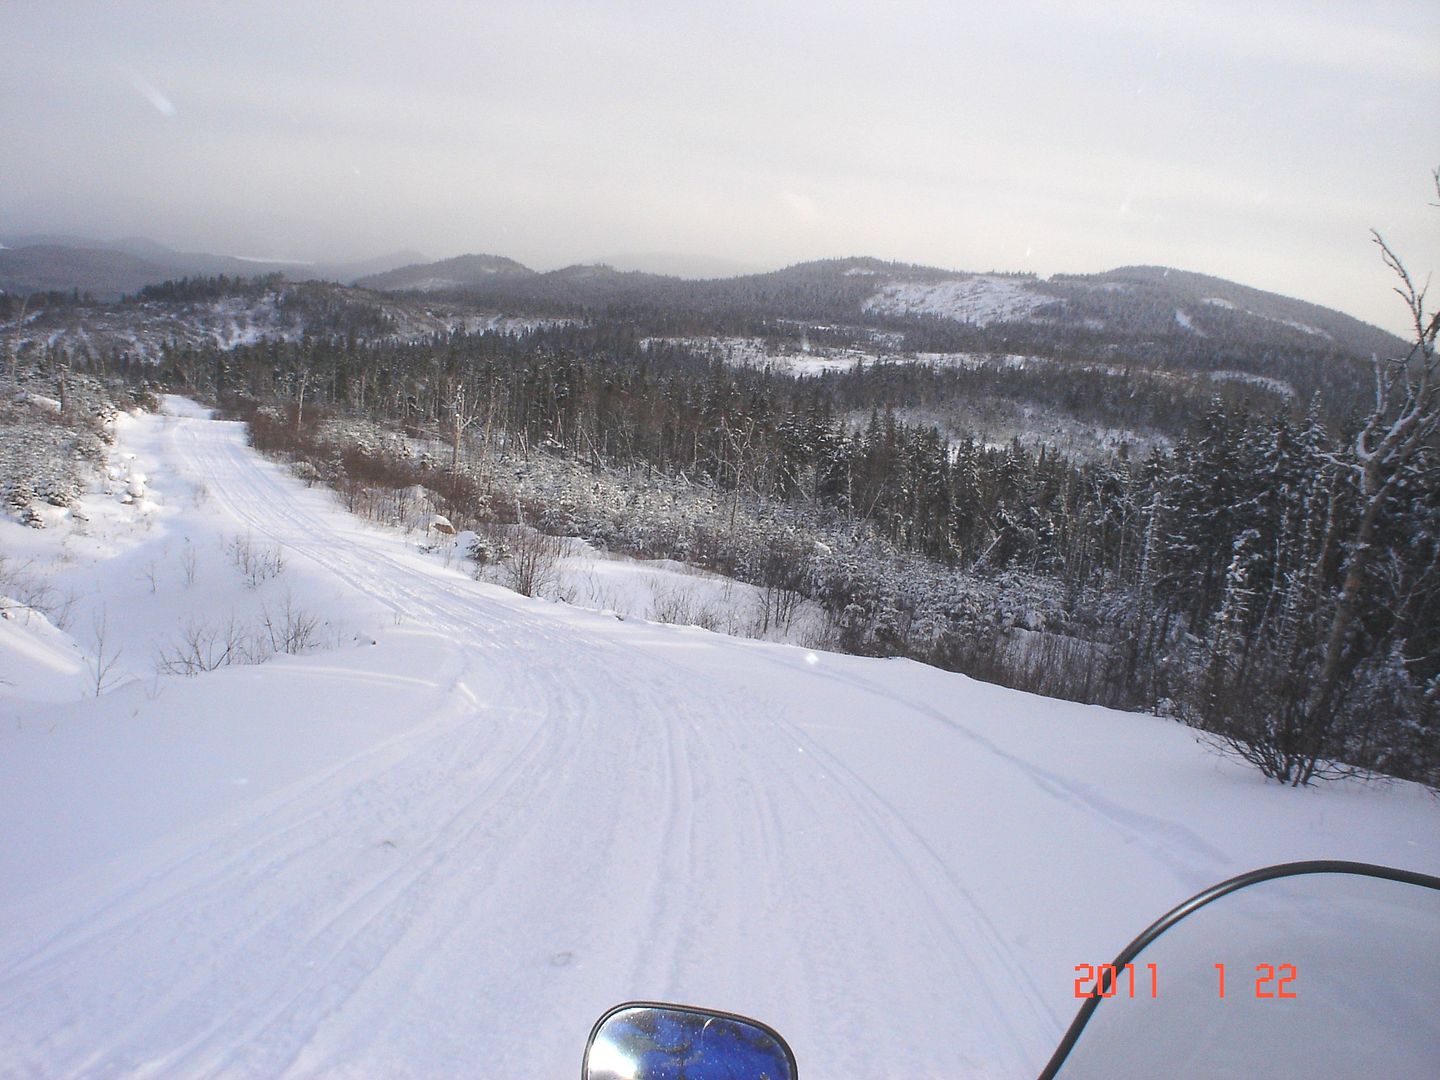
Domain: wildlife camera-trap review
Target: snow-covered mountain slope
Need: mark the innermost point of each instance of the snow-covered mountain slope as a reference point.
(109, 269)
(445, 841)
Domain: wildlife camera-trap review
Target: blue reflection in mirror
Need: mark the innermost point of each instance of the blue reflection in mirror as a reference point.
(645, 1041)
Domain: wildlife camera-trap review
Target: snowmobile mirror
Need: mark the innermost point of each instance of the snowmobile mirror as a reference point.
(650, 1041)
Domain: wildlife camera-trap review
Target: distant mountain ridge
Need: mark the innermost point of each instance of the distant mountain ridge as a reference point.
(1176, 329)
(1213, 303)
(1133, 302)
(676, 264)
(105, 274)
(109, 269)
(461, 272)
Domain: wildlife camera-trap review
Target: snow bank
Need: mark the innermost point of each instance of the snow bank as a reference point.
(37, 655)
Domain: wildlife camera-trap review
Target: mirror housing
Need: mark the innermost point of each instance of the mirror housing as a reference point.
(646, 1040)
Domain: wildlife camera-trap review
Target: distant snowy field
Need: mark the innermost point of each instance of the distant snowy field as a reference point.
(757, 353)
(817, 360)
(446, 837)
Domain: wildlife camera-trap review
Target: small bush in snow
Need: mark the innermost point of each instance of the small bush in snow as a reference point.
(256, 563)
(682, 607)
(209, 645)
(289, 629)
(205, 646)
(22, 588)
(532, 561)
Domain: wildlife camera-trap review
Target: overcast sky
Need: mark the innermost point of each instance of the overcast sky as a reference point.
(1258, 141)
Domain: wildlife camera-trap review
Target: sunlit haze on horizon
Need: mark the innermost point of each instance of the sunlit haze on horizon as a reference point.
(1259, 143)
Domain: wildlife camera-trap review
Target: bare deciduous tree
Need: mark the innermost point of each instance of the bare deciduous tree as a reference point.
(1391, 449)
(464, 410)
(1405, 418)
(532, 560)
(102, 665)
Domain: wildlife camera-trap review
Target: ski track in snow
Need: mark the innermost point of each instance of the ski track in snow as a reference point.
(590, 811)
(310, 951)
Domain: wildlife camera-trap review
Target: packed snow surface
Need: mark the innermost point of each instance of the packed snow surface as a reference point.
(443, 841)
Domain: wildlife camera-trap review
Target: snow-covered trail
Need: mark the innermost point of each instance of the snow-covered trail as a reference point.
(895, 866)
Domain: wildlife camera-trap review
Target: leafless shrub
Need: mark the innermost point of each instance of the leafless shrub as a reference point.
(256, 563)
(190, 565)
(1053, 664)
(25, 589)
(457, 495)
(601, 597)
(821, 636)
(289, 630)
(680, 606)
(532, 561)
(61, 608)
(784, 575)
(205, 646)
(102, 664)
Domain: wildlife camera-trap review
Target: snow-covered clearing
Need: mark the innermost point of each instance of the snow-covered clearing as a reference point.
(445, 841)
(979, 300)
(976, 361)
(817, 360)
(758, 353)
